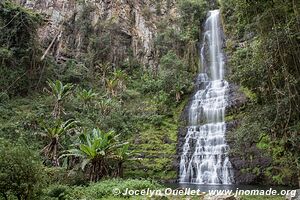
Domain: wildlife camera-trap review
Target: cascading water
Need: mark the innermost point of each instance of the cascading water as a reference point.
(204, 157)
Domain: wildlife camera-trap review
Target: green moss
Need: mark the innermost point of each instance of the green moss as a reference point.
(249, 94)
(264, 142)
(155, 147)
(229, 118)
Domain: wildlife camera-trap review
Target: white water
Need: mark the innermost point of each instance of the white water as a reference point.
(204, 158)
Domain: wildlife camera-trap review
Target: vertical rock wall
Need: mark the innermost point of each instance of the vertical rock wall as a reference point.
(135, 20)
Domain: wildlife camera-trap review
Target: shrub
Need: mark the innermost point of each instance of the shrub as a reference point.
(105, 188)
(58, 191)
(20, 171)
(100, 190)
(19, 48)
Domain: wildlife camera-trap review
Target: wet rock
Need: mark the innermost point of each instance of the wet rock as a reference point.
(236, 99)
(231, 125)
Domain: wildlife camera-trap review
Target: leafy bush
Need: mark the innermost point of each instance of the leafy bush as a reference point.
(58, 191)
(19, 48)
(20, 171)
(61, 175)
(98, 152)
(100, 190)
(4, 97)
(193, 13)
(174, 75)
(263, 56)
(105, 187)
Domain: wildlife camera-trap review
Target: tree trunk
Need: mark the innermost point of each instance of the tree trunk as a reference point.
(120, 169)
(55, 150)
(178, 96)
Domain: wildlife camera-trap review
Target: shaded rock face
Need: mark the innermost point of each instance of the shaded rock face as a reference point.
(236, 99)
(135, 20)
(240, 162)
(249, 160)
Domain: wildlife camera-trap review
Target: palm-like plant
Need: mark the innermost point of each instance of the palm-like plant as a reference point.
(111, 86)
(60, 92)
(96, 148)
(104, 70)
(120, 77)
(106, 105)
(178, 91)
(121, 155)
(87, 96)
(53, 134)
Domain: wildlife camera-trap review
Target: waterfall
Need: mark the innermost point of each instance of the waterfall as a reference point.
(204, 158)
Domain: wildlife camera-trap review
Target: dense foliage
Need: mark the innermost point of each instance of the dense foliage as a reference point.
(100, 190)
(264, 50)
(20, 171)
(92, 110)
(19, 49)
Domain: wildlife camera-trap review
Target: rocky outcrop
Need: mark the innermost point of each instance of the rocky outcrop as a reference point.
(135, 20)
(247, 171)
(236, 99)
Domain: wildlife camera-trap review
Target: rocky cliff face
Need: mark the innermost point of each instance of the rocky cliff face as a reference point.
(245, 160)
(134, 26)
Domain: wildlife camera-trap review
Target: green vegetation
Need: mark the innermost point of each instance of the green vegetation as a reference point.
(87, 105)
(54, 133)
(19, 49)
(59, 91)
(81, 110)
(99, 149)
(20, 171)
(100, 190)
(263, 46)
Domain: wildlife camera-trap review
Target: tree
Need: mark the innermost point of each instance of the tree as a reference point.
(53, 134)
(20, 171)
(111, 86)
(178, 91)
(121, 155)
(20, 50)
(104, 70)
(174, 75)
(264, 58)
(60, 92)
(105, 105)
(96, 148)
(120, 77)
